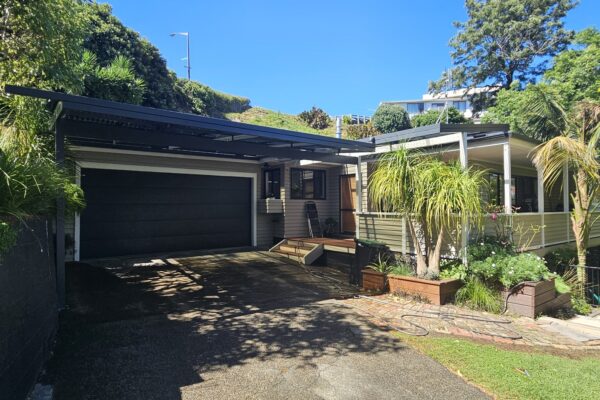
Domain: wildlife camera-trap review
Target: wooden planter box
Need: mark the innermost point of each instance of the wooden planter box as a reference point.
(437, 292)
(534, 298)
(373, 280)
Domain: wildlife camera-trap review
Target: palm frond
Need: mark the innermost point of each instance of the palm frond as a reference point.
(547, 117)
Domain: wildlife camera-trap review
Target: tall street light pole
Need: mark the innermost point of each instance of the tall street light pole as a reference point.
(187, 36)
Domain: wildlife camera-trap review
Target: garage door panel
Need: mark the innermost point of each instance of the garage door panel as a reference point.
(131, 212)
(148, 179)
(170, 196)
(187, 212)
(179, 243)
(149, 229)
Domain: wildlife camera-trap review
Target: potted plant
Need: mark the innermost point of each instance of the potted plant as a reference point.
(330, 227)
(402, 279)
(528, 286)
(436, 199)
(366, 252)
(498, 278)
(374, 277)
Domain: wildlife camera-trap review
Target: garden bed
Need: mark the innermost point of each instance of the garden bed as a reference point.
(531, 299)
(437, 292)
(373, 280)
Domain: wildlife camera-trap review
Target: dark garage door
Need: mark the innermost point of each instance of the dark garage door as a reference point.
(131, 212)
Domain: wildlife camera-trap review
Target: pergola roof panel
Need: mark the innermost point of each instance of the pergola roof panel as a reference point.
(86, 120)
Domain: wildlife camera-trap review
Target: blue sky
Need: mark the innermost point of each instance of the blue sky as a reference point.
(342, 56)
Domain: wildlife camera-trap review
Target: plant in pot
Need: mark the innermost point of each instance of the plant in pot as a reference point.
(436, 199)
(330, 227)
(374, 277)
(498, 278)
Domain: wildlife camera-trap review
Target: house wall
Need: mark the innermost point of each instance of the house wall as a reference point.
(29, 308)
(295, 222)
(266, 228)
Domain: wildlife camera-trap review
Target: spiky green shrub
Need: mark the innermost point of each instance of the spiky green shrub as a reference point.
(479, 296)
(116, 81)
(382, 264)
(402, 269)
(436, 198)
(30, 184)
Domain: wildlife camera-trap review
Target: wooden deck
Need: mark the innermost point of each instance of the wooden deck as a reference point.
(339, 245)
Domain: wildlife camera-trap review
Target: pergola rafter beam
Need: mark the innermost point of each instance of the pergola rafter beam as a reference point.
(78, 130)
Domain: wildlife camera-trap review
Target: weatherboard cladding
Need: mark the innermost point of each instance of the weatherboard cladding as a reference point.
(295, 222)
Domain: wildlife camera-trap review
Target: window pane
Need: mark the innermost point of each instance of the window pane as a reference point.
(414, 108)
(296, 184)
(272, 185)
(460, 105)
(495, 194)
(319, 184)
(308, 185)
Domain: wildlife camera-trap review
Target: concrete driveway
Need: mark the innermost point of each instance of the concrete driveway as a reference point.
(220, 326)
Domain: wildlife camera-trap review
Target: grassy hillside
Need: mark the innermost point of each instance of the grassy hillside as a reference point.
(274, 119)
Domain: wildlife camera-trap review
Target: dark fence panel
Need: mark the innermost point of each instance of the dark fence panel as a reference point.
(28, 308)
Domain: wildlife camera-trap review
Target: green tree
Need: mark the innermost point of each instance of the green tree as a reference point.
(512, 107)
(576, 72)
(506, 40)
(42, 55)
(116, 82)
(574, 76)
(109, 38)
(432, 116)
(40, 46)
(390, 118)
(576, 147)
(429, 194)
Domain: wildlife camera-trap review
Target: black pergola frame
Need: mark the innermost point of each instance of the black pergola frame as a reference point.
(108, 124)
(154, 129)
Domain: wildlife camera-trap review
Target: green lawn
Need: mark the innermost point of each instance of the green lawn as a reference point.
(264, 117)
(511, 374)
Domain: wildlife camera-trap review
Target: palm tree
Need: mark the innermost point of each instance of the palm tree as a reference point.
(577, 148)
(435, 198)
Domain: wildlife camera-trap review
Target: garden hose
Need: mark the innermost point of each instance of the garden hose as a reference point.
(422, 331)
(510, 293)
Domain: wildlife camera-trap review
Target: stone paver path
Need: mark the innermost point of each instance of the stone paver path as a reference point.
(417, 318)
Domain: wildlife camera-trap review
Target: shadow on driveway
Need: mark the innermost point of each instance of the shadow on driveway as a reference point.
(243, 325)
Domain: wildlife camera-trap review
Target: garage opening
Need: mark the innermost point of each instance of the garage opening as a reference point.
(132, 212)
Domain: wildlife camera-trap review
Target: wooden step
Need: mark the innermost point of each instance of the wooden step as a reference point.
(299, 243)
(296, 249)
(291, 256)
(302, 252)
